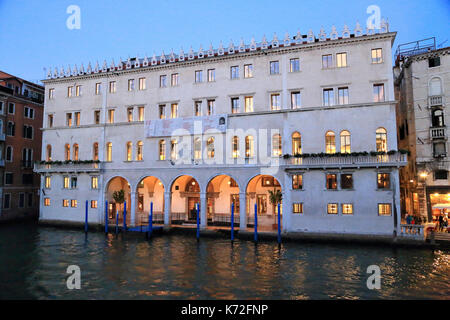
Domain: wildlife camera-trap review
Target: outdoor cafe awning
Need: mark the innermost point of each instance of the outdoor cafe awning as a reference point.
(441, 206)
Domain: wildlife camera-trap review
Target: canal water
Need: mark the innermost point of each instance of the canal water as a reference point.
(34, 261)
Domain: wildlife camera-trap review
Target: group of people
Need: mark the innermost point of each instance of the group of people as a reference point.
(441, 223)
(410, 219)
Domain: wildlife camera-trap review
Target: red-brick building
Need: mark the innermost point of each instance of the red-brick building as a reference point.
(21, 112)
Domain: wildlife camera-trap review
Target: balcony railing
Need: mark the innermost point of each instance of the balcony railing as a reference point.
(435, 101)
(438, 132)
(348, 161)
(67, 167)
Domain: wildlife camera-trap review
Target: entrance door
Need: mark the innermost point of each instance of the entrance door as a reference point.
(192, 212)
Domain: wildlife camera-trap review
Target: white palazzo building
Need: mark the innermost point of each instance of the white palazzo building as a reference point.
(304, 115)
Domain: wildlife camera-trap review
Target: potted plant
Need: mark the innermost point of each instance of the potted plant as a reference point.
(119, 197)
(275, 198)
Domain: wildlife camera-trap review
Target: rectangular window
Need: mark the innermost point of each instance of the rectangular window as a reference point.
(162, 81)
(66, 183)
(248, 104)
(94, 204)
(130, 114)
(378, 92)
(294, 65)
(73, 203)
(174, 79)
(248, 71)
(69, 91)
(328, 97)
(275, 103)
(48, 182)
(211, 107)
(297, 181)
(347, 208)
(11, 108)
(343, 95)
(111, 115)
(211, 75)
(274, 67)
(198, 76)
(130, 84)
(297, 208)
(112, 87)
(50, 121)
(51, 93)
(383, 180)
(7, 201)
(384, 209)
(46, 202)
(174, 110)
(331, 181)
(332, 208)
(140, 113)
(69, 119)
(341, 60)
(98, 88)
(234, 72)
(94, 182)
(198, 108)
(434, 62)
(162, 111)
(441, 175)
(28, 113)
(73, 182)
(234, 105)
(77, 118)
(327, 61)
(296, 100)
(97, 116)
(21, 200)
(65, 202)
(142, 84)
(377, 56)
(346, 181)
(78, 91)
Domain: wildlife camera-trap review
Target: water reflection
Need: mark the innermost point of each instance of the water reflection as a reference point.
(35, 259)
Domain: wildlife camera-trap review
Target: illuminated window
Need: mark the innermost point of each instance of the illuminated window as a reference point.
(130, 114)
(341, 60)
(111, 115)
(275, 103)
(174, 79)
(343, 95)
(94, 182)
(162, 150)
(198, 108)
(347, 208)
(162, 111)
(67, 152)
(332, 208)
(297, 181)
(75, 152)
(174, 110)
(249, 147)
(112, 87)
(78, 91)
(109, 151)
(347, 181)
(140, 113)
(276, 145)
(69, 91)
(345, 142)
(384, 209)
(235, 147)
(46, 202)
(381, 140)
(296, 143)
(294, 65)
(328, 97)
(49, 153)
(65, 202)
(331, 181)
(142, 84)
(139, 151)
(383, 180)
(330, 142)
(94, 204)
(66, 182)
(98, 88)
(210, 147)
(378, 92)
(211, 107)
(174, 149)
(129, 151)
(248, 71)
(296, 100)
(297, 208)
(377, 56)
(197, 148)
(69, 119)
(248, 104)
(327, 61)
(95, 151)
(73, 203)
(48, 182)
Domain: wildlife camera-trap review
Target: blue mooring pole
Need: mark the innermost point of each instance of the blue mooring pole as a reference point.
(150, 220)
(279, 226)
(117, 221)
(198, 221)
(256, 223)
(232, 222)
(125, 216)
(86, 219)
(106, 216)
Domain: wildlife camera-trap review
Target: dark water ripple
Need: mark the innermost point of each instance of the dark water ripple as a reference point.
(33, 263)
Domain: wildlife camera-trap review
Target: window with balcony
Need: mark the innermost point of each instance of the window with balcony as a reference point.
(330, 142)
(437, 118)
(75, 152)
(27, 158)
(345, 142)
(377, 56)
(95, 151)
(276, 145)
(381, 140)
(296, 143)
(297, 181)
(439, 149)
(331, 181)
(248, 70)
(67, 152)
(274, 67)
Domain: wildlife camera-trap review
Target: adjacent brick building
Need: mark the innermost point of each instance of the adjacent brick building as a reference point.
(21, 109)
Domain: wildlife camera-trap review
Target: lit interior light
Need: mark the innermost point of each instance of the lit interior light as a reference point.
(423, 174)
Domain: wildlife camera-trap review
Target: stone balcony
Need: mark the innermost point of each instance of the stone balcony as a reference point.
(435, 101)
(438, 132)
(67, 167)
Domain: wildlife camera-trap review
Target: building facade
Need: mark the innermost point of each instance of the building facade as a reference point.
(311, 117)
(21, 110)
(422, 85)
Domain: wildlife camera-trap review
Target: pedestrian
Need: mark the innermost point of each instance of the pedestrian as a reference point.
(441, 221)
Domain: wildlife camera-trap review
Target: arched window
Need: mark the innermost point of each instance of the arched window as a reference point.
(330, 142)
(95, 151)
(48, 156)
(109, 151)
(129, 151)
(296, 143)
(276, 145)
(139, 150)
(345, 142)
(67, 152)
(235, 147)
(249, 146)
(197, 148)
(210, 147)
(10, 128)
(75, 152)
(162, 150)
(435, 87)
(174, 149)
(381, 140)
(437, 118)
